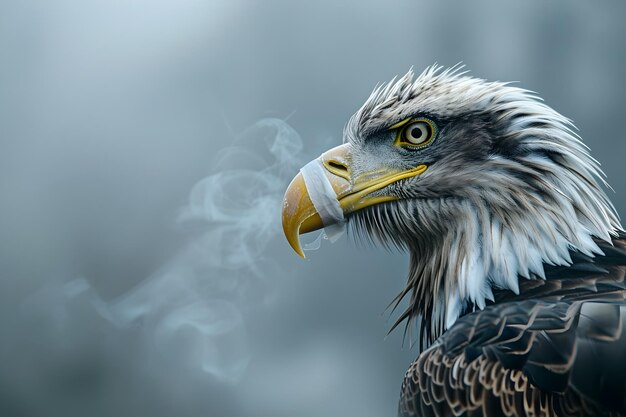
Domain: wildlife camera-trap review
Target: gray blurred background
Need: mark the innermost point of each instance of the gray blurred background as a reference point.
(145, 147)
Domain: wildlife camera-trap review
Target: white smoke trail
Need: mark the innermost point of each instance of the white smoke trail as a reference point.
(190, 316)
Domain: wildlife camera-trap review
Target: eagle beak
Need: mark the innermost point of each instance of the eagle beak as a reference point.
(301, 213)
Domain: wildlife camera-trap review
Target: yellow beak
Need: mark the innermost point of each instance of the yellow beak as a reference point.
(299, 213)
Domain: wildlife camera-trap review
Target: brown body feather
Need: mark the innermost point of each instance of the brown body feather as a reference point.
(556, 349)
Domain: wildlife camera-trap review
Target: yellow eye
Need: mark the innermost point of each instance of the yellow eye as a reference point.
(417, 133)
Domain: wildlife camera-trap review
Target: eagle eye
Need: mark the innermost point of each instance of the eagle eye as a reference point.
(417, 133)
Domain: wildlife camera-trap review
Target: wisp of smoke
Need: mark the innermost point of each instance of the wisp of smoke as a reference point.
(188, 319)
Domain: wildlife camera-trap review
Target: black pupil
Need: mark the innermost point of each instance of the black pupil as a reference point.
(416, 133)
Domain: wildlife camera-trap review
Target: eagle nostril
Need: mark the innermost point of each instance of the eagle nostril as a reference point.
(337, 168)
(337, 165)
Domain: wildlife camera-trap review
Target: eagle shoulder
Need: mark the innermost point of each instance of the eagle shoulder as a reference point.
(530, 357)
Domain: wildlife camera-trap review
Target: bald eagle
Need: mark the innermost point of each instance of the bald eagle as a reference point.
(517, 256)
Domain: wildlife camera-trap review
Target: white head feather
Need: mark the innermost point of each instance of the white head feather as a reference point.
(478, 224)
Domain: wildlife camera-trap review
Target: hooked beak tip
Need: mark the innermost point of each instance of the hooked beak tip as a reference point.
(298, 215)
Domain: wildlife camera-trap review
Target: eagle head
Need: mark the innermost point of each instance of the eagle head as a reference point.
(480, 181)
